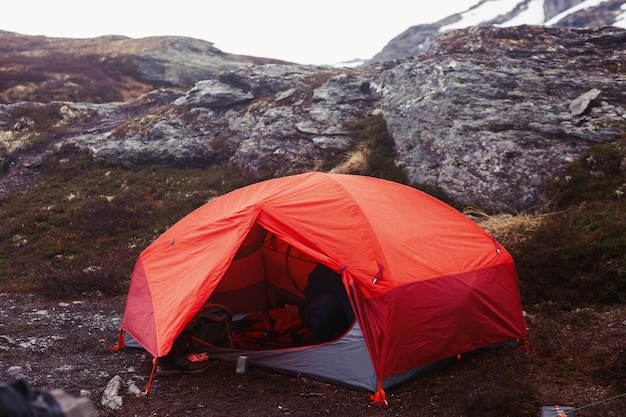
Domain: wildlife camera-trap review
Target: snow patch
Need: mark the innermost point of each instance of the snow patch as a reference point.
(486, 11)
(584, 5)
(533, 15)
(620, 20)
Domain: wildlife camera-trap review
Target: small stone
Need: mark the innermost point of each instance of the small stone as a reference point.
(580, 104)
(110, 397)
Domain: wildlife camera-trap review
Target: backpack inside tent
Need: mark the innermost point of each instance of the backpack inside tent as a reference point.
(424, 282)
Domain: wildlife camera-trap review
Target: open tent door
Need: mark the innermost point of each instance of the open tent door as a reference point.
(266, 272)
(267, 279)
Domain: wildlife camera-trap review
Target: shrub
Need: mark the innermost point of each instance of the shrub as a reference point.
(371, 137)
(105, 273)
(84, 213)
(576, 257)
(600, 174)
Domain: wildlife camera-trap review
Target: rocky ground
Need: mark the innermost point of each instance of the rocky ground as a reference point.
(575, 358)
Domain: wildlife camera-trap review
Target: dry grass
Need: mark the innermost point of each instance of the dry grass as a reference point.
(355, 162)
(508, 229)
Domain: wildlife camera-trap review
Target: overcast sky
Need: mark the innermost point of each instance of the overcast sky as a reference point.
(306, 32)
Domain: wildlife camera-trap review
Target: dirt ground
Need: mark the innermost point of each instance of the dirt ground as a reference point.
(575, 359)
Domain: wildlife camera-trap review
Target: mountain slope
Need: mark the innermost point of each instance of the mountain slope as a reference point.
(106, 68)
(504, 13)
(486, 114)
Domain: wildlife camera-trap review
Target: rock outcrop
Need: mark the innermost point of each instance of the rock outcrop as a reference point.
(486, 114)
(489, 114)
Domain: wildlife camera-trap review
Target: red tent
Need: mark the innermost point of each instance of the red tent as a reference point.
(425, 282)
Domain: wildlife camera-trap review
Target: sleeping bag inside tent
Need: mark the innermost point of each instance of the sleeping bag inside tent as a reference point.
(423, 282)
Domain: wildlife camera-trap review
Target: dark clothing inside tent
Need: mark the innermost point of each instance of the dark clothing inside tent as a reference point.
(326, 310)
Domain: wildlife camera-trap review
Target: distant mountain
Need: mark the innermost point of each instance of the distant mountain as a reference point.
(504, 13)
(106, 68)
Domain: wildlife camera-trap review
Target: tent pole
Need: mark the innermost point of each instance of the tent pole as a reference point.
(154, 365)
(120, 342)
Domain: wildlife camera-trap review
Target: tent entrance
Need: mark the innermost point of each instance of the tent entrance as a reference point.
(265, 273)
(263, 288)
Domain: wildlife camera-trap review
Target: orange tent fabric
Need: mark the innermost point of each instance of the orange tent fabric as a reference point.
(426, 283)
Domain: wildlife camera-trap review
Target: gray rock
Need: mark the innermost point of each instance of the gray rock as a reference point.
(212, 93)
(110, 397)
(580, 104)
(486, 114)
